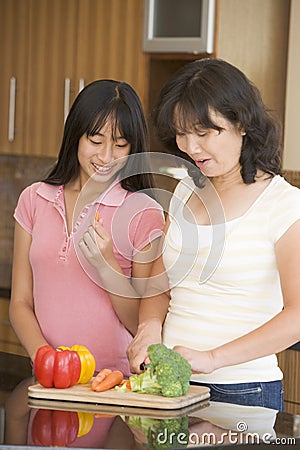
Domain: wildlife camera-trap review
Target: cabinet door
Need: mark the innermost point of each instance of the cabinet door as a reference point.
(53, 48)
(51, 61)
(110, 42)
(13, 77)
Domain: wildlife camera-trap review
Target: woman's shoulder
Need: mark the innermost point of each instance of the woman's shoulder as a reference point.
(29, 192)
(144, 199)
(33, 187)
(182, 192)
(283, 206)
(40, 188)
(284, 190)
(184, 187)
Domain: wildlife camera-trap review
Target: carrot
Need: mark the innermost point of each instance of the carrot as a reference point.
(97, 216)
(111, 380)
(101, 416)
(100, 377)
(126, 382)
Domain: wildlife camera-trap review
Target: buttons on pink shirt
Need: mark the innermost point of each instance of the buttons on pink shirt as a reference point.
(78, 222)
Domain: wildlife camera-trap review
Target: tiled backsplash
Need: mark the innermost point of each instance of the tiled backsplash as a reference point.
(16, 172)
(292, 176)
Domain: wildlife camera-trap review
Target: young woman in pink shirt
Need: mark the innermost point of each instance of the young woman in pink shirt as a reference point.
(87, 234)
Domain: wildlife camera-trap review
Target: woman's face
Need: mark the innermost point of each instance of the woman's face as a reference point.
(216, 153)
(101, 156)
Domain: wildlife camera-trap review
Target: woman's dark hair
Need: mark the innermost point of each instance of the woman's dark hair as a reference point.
(98, 102)
(209, 85)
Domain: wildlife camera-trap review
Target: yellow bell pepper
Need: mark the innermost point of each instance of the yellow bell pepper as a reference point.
(88, 363)
(86, 421)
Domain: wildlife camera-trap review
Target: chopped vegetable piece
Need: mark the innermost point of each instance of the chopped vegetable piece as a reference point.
(111, 380)
(100, 377)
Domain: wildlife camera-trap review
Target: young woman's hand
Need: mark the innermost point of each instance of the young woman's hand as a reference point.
(96, 245)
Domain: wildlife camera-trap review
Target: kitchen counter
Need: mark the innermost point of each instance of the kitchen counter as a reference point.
(48, 423)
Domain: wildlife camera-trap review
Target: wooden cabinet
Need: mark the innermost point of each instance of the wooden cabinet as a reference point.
(38, 57)
(110, 41)
(289, 362)
(51, 49)
(14, 23)
(51, 52)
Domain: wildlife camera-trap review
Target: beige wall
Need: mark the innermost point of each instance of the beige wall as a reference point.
(253, 35)
(291, 154)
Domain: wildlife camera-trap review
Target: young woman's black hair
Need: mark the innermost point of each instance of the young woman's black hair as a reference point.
(209, 85)
(95, 104)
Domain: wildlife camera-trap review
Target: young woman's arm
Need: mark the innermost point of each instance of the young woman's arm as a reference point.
(153, 310)
(125, 295)
(152, 313)
(21, 310)
(274, 336)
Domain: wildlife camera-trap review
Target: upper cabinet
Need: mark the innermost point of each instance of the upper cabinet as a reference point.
(52, 48)
(14, 22)
(36, 58)
(52, 32)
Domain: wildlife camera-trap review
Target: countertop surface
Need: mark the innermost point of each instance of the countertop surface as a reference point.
(35, 424)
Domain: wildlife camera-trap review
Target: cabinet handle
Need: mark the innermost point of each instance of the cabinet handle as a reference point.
(67, 98)
(12, 108)
(80, 84)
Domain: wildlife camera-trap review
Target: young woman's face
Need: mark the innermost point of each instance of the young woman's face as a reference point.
(215, 153)
(101, 156)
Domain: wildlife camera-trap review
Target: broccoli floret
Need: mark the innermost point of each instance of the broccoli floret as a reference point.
(168, 373)
(162, 433)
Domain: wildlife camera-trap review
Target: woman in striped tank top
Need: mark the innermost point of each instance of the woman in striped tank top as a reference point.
(227, 298)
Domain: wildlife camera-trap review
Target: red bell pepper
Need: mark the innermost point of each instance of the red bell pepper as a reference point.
(54, 428)
(57, 368)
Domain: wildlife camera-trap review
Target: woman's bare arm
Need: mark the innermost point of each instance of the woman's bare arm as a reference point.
(21, 310)
(153, 310)
(124, 293)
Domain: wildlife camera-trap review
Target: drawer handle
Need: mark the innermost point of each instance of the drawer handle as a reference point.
(80, 84)
(12, 108)
(67, 98)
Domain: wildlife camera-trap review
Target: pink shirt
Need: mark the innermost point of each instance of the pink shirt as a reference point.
(70, 305)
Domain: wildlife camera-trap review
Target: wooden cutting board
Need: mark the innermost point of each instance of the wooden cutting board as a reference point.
(83, 393)
(117, 410)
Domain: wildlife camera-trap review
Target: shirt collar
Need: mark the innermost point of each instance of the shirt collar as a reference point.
(114, 195)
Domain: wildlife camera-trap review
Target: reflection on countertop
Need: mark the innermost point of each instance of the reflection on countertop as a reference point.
(29, 422)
